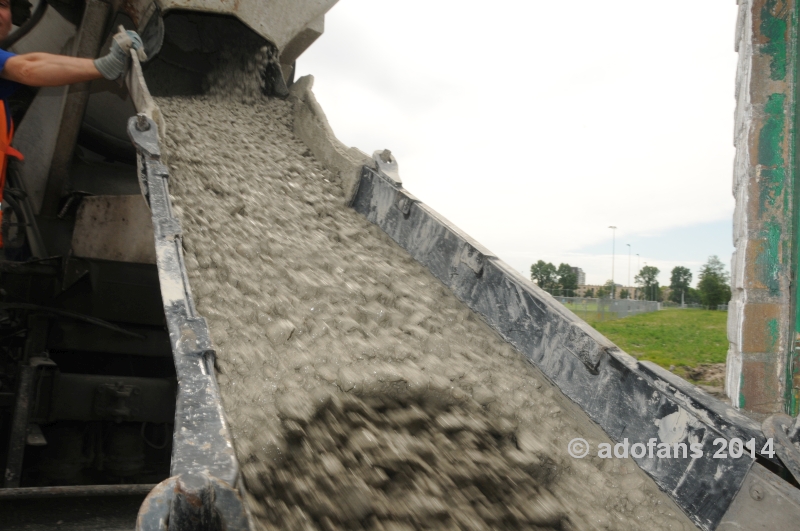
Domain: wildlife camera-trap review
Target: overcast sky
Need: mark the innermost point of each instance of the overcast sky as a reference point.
(536, 125)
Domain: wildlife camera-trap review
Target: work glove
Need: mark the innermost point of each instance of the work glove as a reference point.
(115, 62)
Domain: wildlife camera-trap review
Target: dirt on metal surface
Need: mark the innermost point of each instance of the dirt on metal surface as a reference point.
(361, 393)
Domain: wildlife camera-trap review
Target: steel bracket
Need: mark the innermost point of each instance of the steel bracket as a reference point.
(168, 229)
(145, 140)
(114, 400)
(192, 502)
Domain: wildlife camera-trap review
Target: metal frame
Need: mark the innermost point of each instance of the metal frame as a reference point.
(204, 468)
(624, 396)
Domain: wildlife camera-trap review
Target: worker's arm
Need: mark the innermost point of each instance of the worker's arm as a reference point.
(48, 70)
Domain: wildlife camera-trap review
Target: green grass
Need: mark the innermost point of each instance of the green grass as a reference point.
(589, 312)
(671, 337)
(580, 308)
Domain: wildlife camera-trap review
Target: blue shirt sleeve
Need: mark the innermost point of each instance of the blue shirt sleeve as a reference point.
(7, 88)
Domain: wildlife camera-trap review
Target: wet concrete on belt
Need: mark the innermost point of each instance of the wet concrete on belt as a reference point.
(361, 393)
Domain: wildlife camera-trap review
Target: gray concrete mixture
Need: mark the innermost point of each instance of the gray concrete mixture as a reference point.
(361, 393)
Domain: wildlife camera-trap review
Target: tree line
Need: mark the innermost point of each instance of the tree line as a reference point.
(562, 279)
(713, 287)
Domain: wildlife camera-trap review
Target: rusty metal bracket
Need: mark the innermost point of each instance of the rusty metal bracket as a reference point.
(192, 502)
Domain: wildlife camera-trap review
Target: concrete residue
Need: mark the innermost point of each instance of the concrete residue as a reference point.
(361, 393)
(172, 289)
(672, 428)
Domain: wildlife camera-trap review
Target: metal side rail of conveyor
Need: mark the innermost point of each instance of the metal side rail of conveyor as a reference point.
(629, 399)
(201, 493)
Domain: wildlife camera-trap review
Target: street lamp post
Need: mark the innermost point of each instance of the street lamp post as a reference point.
(629, 269)
(638, 262)
(613, 249)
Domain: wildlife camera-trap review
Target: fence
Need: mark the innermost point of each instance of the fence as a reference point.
(693, 305)
(670, 304)
(592, 310)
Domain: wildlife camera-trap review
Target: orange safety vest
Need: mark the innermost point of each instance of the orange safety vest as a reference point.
(6, 135)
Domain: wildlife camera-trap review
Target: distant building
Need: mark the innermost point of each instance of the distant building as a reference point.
(580, 275)
(581, 292)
